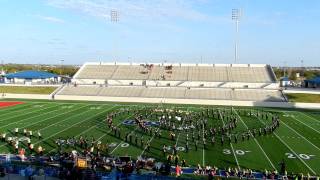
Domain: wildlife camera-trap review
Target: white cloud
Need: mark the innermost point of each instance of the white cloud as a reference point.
(52, 19)
(150, 10)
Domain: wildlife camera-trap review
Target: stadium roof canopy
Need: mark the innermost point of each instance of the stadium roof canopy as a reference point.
(31, 75)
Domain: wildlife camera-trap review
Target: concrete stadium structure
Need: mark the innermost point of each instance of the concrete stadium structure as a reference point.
(174, 83)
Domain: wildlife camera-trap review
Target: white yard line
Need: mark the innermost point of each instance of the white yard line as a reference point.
(300, 135)
(92, 126)
(18, 114)
(51, 118)
(234, 154)
(305, 124)
(187, 108)
(111, 129)
(115, 147)
(179, 134)
(84, 103)
(122, 140)
(255, 140)
(283, 142)
(10, 109)
(148, 143)
(85, 130)
(65, 118)
(149, 140)
(74, 125)
(129, 134)
(203, 153)
(31, 116)
(118, 104)
(310, 117)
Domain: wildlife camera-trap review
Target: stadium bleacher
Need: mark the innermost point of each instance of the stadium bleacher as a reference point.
(181, 72)
(96, 71)
(175, 92)
(237, 82)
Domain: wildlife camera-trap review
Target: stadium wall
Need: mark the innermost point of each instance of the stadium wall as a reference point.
(301, 90)
(176, 83)
(33, 85)
(125, 82)
(174, 64)
(243, 85)
(190, 101)
(25, 96)
(166, 101)
(88, 81)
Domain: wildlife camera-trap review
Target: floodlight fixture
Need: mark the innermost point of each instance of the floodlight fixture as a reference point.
(114, 16)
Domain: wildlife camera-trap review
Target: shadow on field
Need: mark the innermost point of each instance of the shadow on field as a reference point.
(49, 144)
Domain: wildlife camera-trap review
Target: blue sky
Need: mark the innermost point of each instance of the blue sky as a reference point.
(190, 31)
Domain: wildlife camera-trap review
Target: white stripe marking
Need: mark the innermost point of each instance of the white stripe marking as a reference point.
(234, 154)
(283, 142)
(255, 140)
(16, 122)
(301, 136)
(306, 125)
(74, 125)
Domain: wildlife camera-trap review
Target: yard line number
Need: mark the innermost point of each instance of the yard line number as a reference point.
(302, 156)
(237, 151)
(123, 145)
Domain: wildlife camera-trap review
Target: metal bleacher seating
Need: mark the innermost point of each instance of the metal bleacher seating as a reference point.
(175, 92)
(97, 72)
(165, 81)
(176, 73)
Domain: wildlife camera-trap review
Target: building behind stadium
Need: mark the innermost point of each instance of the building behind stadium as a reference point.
(31, 77)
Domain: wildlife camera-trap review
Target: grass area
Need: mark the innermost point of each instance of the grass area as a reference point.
(26, 90)
(296, 141)
(302, 97)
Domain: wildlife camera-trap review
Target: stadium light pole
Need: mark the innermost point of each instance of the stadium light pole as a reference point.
(114, 18)
(284, 68)
(61, 63)
(2, 67)
(236, 14)
(302, 67)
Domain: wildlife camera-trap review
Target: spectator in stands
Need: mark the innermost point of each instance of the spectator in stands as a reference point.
(2, 172)
(178, 171)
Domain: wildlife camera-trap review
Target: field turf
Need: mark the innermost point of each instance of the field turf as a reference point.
(296, 141)
(26, 90)
(305, 98)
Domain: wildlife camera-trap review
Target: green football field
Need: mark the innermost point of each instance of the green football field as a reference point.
(296, 141)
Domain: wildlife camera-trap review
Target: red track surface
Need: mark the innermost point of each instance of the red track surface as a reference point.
(7, 104)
